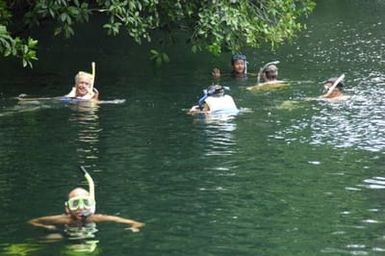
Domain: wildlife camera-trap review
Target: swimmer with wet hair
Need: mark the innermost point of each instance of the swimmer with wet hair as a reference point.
(334, 88)
(239, 66)
(80, 211)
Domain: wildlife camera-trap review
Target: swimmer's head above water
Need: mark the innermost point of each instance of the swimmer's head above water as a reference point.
(239, 63)
(333, 87)
(81, 203)
(328, 83)
(216, 90)
(269, 72)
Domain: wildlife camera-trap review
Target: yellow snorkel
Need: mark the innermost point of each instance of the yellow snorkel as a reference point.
(91, 187)
(93, 66)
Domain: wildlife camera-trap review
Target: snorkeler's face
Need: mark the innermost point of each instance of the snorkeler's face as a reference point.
(79, 204)
(239, 66)
(83, 85)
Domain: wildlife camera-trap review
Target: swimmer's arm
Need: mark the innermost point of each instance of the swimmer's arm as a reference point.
(135, 225)
(49, 222)
(96, 94)
(216, 73)
(198, 109)
(194, 109)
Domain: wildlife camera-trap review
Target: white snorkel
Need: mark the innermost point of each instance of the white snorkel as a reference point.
(91, 187)
(331, 88)
(264, 67)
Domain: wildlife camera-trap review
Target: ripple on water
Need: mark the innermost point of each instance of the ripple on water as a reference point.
(358, 122)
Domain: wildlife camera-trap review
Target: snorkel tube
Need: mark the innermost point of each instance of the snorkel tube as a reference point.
(331, 88)
(93, 75)
(91, 187)
(264, 67)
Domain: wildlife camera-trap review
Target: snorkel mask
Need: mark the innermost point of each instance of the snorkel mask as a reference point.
(240, 56)
(83, 203)
(211, 91)
(80, 202)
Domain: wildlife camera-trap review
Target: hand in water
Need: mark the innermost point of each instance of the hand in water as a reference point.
(50, 227)
(216, 73)
(134, 230)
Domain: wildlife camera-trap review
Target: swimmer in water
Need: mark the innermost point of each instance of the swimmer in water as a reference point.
(334, 89)
(269, 73)
(239, 67)
(80, 211)
(213, 100)
(83, 88)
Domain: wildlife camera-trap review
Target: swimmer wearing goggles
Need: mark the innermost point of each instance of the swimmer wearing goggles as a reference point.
(80, 211)
(79, 202)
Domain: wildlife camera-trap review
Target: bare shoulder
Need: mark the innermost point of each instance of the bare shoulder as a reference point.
(101, 217)
(54, 219)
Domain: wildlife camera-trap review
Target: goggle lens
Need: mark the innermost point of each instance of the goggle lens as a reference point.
(79, 203)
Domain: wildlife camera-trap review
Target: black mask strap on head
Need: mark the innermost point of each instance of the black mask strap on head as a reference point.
(240, 56)
(211, 91)
(202, 99)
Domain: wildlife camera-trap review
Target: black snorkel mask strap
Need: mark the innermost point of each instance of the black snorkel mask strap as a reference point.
(243, 57)
(210, 92)
(202, 99)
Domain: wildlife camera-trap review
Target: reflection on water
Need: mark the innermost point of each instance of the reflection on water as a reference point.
(374, 183)
(85, 116)
(20, 249)
(357, 122)
(14, 106)
(219, 130)
(82, 238)
(305, 178)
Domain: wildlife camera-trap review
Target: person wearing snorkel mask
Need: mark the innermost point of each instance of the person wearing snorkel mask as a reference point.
(82, 88)
(214, 100)
(269, 74)
(239, 67)
(80, 211)
(334, 91)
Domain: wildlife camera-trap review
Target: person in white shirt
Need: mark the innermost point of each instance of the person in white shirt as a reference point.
(83, 88)
(215, 100)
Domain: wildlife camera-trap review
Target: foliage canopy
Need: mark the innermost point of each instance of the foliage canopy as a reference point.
(215, 25)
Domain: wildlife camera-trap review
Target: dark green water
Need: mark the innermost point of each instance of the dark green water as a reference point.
(278, 179)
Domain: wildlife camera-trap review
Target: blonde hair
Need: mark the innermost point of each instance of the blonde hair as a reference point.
(86, 75)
